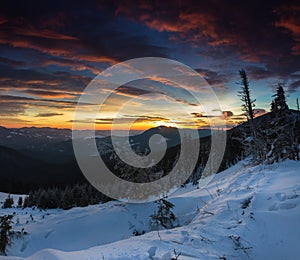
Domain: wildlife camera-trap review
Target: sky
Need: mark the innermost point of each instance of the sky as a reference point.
(50, 51)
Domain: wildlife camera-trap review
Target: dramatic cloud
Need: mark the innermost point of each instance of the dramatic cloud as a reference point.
(131, 91)
(31, 78)
(213, 78)
(250, 30)
(50, 94)
(8, 109)
(48, 114)
(290, 20)
(36, 100)
(294, 86)
(255, 72)
(50, 52)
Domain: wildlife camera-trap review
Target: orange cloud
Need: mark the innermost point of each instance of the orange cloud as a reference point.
(290, 20)
(54, 44)
(51, 94)
(76, 66)
(43, 33)
(199, 25)
(188, 24)
(294, 28)
(231, 25)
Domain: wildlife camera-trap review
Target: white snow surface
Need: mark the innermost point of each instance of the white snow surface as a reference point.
(211, 222)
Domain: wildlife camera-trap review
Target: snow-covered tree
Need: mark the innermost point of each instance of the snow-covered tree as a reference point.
(20, 202)
(164, 215)
(9, 202)
(5, 232)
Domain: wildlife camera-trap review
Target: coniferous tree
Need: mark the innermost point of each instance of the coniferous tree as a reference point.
(5, 232)
(245, 96)
(297, 132)
(79, 195)
(273, 106)
(43, 200)
(283, 130)
(26, 202)
(279, 101)
(20, 202)
(9, 202)
(164, 215)
(252, 140)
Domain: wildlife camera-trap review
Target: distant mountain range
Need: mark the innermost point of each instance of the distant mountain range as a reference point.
(34, 157)
(55, 145)
(31, 157)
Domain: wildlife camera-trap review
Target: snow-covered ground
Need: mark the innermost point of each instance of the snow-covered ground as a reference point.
(214, 223)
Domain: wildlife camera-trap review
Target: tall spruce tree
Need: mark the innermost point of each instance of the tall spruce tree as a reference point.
(279, 103)
(255, 145)
(245, 96)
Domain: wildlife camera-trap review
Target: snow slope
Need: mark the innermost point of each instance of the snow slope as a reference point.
(246, 212)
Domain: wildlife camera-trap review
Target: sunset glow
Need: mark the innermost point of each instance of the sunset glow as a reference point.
(48, 57)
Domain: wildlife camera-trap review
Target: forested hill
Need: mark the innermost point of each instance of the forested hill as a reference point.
(275, 134)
